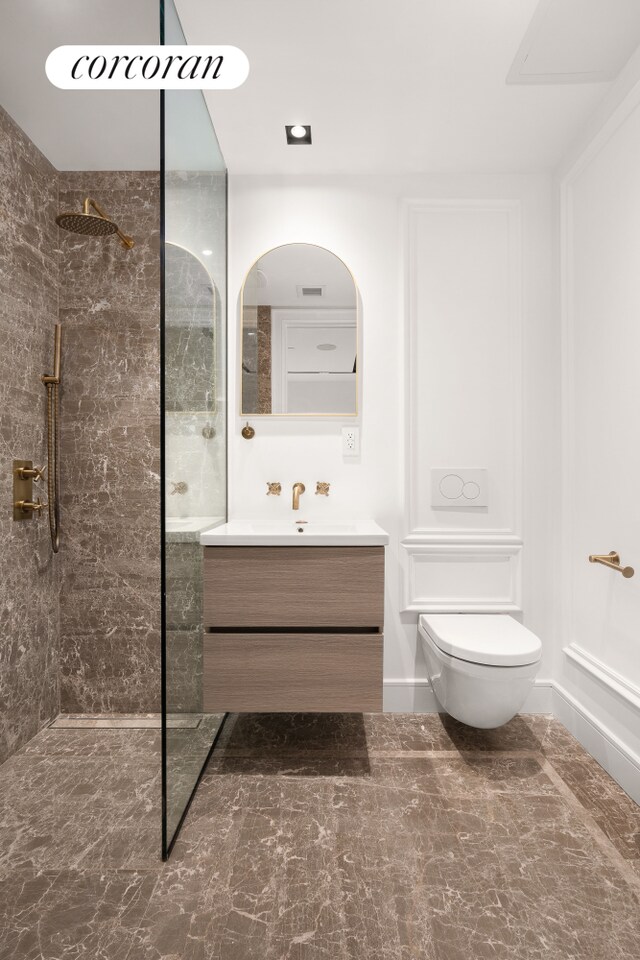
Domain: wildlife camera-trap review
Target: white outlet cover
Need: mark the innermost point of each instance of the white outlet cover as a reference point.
(457, 487)
(350, 442)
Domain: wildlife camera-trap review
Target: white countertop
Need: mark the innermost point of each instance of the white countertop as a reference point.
(188, 529)
(294, 533)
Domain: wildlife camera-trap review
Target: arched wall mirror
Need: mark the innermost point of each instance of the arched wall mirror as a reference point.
(190, 349)
(299, 335)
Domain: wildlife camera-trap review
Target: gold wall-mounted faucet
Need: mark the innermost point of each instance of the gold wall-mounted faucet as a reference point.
(298, 489)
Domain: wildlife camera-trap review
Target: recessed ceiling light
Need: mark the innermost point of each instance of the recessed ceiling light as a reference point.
(207, 253)
(326, 346)
(298, 133)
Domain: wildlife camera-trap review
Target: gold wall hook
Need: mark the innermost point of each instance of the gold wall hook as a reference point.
(248, 432)
(274, 489)
(612, 560)
(322, 488)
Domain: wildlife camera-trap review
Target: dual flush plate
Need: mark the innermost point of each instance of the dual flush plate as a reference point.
(459, 488)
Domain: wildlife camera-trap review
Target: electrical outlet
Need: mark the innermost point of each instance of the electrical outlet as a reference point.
(350, 442)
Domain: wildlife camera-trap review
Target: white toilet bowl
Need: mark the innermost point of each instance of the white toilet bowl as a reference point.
(481, 666)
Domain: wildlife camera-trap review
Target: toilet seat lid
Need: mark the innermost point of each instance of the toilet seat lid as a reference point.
(493, 639)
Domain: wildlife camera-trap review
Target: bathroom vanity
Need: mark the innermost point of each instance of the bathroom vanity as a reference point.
(293, 617)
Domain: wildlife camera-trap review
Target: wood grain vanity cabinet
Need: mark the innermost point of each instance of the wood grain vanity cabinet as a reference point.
(293, 628)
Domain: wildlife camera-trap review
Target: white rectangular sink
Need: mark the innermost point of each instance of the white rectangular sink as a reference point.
(292, 533)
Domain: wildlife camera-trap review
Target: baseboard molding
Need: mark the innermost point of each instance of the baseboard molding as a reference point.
(613, 681)
(416, 696)
(617, 758)
(409, 696)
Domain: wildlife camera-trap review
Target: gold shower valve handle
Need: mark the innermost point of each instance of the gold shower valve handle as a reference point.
(28, 506)
(33, 473)
(274, 489)
(322, 488)
(612, 560)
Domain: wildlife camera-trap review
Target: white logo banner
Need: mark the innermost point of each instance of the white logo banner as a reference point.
(145, 67)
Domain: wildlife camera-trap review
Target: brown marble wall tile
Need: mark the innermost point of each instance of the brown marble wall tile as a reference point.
(109, 308)
(29, 581)
(264, 359)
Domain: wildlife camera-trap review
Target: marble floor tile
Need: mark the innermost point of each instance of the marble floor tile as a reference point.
(70, 915)
(383, 837)
(60, 812)
(87, 744)
(287, 734)
(614, 812)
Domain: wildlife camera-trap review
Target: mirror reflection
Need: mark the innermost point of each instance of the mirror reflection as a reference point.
(189, 333)
(299, 334)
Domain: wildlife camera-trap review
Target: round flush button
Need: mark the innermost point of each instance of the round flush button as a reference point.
(471, 490)
(451, 486)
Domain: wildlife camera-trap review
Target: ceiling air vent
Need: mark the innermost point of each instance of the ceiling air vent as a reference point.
(310, 291)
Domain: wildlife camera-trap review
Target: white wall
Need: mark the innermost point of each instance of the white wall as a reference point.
(598, 658)
(363, 220)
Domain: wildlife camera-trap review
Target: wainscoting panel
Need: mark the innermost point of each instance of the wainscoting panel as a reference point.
(477, 578)
(464, 402)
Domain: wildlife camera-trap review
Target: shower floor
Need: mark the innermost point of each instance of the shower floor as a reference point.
(321, 837)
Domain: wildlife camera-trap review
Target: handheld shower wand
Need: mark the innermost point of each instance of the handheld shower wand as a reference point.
(52, 383)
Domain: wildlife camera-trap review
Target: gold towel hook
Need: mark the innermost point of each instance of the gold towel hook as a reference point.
(612, 560)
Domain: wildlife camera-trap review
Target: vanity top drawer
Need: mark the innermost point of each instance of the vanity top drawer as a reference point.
(303, 587)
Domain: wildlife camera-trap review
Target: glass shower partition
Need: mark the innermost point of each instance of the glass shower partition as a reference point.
(194, 455)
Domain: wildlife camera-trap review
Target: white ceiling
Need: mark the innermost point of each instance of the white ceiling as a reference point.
(577, 41)
(320, 349)
(393, 87)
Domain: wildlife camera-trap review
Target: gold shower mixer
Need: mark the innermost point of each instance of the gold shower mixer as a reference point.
(24, 476)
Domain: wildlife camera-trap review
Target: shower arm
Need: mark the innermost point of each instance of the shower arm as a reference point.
(126, 241)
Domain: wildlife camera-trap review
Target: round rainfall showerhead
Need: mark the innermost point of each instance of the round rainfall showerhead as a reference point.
(86, 223)
(95, 224)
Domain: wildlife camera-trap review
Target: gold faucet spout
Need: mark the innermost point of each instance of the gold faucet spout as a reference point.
(298, 489)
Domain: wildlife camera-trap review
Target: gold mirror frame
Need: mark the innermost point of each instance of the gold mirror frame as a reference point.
(293, 416)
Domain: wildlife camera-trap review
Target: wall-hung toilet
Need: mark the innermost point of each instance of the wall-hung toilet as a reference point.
(481, 666)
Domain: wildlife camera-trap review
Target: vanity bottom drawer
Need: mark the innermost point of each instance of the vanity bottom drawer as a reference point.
(286, 673)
